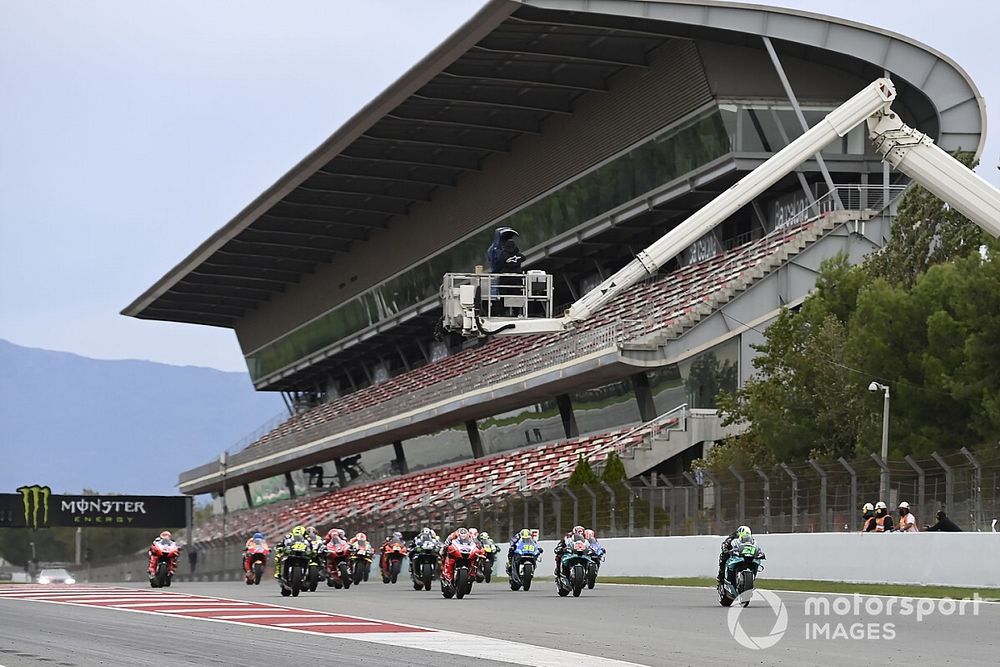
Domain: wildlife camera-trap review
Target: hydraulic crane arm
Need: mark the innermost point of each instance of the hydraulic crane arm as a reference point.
(903, 147)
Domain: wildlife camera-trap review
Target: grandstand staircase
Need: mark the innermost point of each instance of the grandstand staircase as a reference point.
(807, 237)
(694, 427)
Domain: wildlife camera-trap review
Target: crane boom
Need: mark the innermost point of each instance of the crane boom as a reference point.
(905, 148)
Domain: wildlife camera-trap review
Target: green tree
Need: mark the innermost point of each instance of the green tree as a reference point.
(614, 470)
(925, 232)
(583, 474)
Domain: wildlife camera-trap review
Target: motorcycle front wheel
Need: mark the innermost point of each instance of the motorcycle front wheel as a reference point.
(529, 572)
(428, 573)
(258, 572)
(461, 582)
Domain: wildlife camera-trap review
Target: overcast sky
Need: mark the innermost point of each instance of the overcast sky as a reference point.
(130, 131)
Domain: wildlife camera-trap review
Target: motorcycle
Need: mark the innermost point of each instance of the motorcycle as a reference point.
(742, 567)
(294, 567)
(257, 554)
(485, 570)
(424, 563)
(316, 571)
(463, 573)
(523, 564)
(596, 558)
(391, 562)
(573, 565)
(338, 565)
(361, 561)
(166, 563)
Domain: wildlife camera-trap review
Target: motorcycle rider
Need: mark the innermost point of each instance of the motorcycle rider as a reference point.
(298, 533)
(883, 520)
(523, 534)
(166, 540)
(396, 537)
(425, 535)
(578, 533)
(335, 535)
(256, 540)
(867, 518)
(461, 536)
(743, 534)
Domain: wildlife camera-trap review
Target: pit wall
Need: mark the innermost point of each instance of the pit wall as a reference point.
(949, 559)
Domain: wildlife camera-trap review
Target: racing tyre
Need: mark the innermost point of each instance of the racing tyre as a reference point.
(258, 572)
(285, 592)
(161, 576)
(345, 575)
(488, 572)
(529, 572)
(295, 580)
(461, 583)
(427, 572)
(359, 572)
(579, 579)
(394, 567)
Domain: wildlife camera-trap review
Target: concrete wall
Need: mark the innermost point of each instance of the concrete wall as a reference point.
(951, 559)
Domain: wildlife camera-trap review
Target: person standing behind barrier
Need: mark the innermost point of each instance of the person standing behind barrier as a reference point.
(867, 518)
(907, 521)
(883, 520)
(944, 524)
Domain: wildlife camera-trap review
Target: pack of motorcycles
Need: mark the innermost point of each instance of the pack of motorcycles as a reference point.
(344, 564)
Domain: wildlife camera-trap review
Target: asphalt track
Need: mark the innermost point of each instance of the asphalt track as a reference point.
(644, 625)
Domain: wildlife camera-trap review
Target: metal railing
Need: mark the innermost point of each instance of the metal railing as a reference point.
(867, 199)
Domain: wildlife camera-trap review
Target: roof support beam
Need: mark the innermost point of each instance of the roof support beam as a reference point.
(496, 105)
(250, 294)
(305, 238)
(606, 31)
(207, 319)
(277, 252)
(286, 219)
(520, 80)
(403, 179)
(263, 275)
(408, 161)
(212, 309)
(337, 207)
(345, 188)
(215, 273)
(618, 61)
(484, 150)
(479, 127)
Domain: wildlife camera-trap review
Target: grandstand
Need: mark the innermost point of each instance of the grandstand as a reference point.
(592, 128)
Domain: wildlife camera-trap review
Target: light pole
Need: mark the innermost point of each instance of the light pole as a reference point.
(875, 387)
(225, 506)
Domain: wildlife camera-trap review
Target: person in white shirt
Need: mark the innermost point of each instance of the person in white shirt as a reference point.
(907, 521)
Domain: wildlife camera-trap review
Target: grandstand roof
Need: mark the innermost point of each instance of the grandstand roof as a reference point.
(515, 64)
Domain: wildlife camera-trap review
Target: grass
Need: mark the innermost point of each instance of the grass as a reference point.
(901, 590)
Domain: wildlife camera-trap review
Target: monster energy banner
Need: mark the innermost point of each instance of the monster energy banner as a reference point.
(37, 507)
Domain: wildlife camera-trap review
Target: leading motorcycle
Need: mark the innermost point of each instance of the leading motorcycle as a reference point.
(463, 572)
(295, 566)
(165, 556)
(362, 553)
(257, 554)
(573, 566)
(742, 567)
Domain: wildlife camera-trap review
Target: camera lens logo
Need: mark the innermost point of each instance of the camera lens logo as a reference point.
(765, 641)
(35, 502)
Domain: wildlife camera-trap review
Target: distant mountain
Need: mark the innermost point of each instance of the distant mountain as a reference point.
(116, 426)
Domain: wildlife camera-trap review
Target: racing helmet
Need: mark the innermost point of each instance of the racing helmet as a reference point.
(311, 530)
(258, 535)
(589, 534)
(578, 530)
(484, 536)
(744, 533)
(525, 534)
(463, 533)
(299, 531)
(165, 535)
(474, 533)
(880, 505)
(397, 535)
(361, 537)
(343, 535)
(867, 507)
